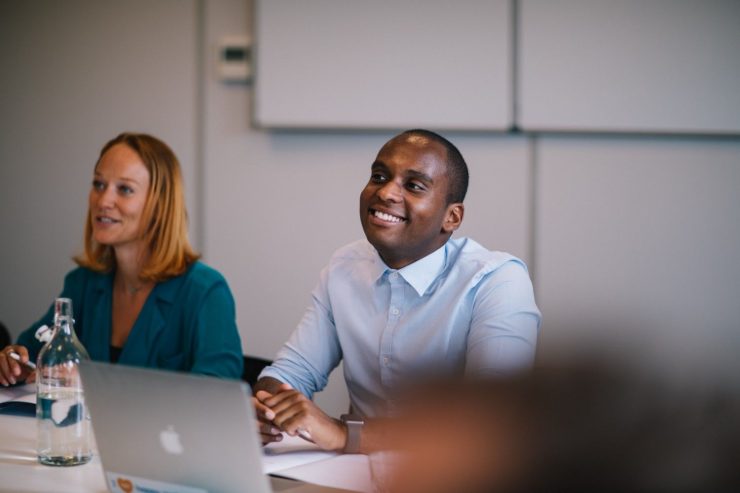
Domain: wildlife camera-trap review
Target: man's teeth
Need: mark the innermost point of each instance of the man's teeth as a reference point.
(387, 217)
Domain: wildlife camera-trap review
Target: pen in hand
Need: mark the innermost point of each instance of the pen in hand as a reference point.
(17, 357)
(305, 435)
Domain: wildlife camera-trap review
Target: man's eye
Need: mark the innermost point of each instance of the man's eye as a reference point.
(377, 178)
(98, 185)
(415, 187)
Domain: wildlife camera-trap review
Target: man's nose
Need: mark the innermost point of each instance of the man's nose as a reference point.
(390, 192)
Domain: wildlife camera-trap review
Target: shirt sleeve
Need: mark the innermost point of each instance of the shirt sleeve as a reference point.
(218, 346)
(505, 323)
(313, 349)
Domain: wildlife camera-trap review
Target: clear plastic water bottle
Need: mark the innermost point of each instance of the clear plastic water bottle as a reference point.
(63, 421)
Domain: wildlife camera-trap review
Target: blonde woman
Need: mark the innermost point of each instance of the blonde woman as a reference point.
(140, 296)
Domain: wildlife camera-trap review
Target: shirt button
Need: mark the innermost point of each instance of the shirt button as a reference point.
(394, 275)
(394, 311)
(385, 360)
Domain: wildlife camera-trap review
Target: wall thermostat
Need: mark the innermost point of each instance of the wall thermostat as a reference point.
(235, 59)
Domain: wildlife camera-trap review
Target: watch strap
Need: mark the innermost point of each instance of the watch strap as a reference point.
(354, 426)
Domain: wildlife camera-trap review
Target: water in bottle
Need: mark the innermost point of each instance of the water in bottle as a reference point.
(63, 421)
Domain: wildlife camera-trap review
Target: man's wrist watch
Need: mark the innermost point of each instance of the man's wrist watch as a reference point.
(354, 426)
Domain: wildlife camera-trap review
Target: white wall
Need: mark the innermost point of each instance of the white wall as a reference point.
(637, 249)
(275, 205)
(278, 204)
(75, 74)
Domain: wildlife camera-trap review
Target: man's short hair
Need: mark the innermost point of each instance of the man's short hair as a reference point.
(457, 169)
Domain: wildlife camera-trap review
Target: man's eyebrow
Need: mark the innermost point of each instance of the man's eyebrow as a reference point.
(378, 164)
(421, 176)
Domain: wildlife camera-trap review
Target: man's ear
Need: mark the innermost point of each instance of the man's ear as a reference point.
(453, 217)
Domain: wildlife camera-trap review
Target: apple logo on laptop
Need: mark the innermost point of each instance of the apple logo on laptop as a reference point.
(170, 441)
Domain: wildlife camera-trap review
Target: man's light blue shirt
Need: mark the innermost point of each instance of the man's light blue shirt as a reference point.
(460, 310)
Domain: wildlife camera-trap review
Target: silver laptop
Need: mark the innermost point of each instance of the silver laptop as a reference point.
(163, 431)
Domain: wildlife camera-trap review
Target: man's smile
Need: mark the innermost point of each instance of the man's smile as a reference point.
(386, 217)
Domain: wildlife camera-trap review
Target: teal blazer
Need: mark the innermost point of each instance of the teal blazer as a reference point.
(188, 323)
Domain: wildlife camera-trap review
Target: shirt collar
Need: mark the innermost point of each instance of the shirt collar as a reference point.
(421, 273)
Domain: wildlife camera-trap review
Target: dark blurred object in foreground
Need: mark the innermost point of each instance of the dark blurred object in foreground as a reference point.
(576, 429)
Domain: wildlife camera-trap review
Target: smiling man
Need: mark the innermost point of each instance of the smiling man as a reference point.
(407, 303)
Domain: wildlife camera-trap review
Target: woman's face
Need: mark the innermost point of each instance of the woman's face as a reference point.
(117, 198)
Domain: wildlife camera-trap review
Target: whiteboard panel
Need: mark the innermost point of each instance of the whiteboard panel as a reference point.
(388, 64)
(641, 65)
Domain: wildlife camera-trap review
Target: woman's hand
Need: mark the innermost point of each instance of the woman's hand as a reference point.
(12, 371)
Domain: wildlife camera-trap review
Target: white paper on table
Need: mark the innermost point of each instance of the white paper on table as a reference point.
(291, 452)
(348, 471)
(24, 393)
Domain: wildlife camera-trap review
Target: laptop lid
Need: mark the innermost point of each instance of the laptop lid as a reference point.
(163, 431)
